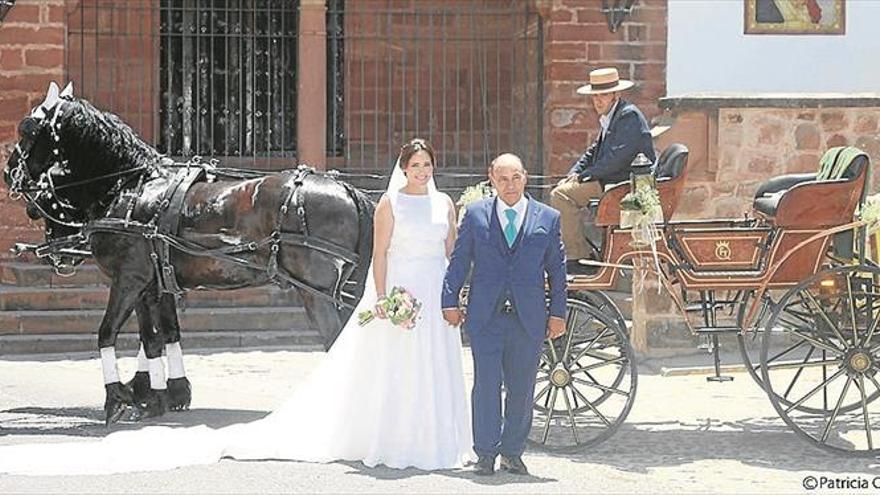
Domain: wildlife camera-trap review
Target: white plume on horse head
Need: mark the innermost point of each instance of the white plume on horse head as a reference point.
(67, 92)
(51, 99)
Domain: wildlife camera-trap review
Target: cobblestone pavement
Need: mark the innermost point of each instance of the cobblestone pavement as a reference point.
(684, 435)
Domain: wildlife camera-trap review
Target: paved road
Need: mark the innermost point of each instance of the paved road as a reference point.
(684, 435)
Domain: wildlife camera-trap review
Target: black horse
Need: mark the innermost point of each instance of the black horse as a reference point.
(157, 228)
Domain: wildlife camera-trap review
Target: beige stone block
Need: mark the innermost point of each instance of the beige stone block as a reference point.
(834, 121)
(806, 137)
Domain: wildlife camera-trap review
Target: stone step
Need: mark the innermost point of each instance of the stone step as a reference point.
(37, 274)
(22, 298)
(191, 320)
(127, 344)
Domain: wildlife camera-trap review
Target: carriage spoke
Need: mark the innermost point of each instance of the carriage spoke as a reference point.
(803, 364)
(571, 416)
(601, 355)
(836, 410)
(590, 345)
(861, 386)
(601, 387)
(542, 393)
(816, 389)
(796, 375)
(873, 328)
(592, 407)
(852, 309)
(816, 343)
(598, 365)
(825, 317)
(573, 316)
(786, 351)
(546, 432)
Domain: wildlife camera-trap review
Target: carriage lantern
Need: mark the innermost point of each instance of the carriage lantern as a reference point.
(641, 174)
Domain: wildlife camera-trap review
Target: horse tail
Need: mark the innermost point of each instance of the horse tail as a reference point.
(364, 248)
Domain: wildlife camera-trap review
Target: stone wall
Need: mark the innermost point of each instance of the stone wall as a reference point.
(736, 148)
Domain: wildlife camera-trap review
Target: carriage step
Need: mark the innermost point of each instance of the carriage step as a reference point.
(127, 344)
(699, 307)
(709, 330)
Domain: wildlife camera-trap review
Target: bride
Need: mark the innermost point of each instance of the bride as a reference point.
(382, 395)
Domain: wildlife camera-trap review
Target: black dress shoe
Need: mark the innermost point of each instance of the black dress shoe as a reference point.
(513, 465)
(485, 466)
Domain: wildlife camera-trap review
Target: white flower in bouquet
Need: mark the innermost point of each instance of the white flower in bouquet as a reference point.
(475, 192)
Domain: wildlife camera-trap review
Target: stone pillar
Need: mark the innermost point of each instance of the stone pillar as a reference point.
(311, 105)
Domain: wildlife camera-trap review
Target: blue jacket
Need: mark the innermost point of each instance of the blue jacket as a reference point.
(498, 268)
(608, 159)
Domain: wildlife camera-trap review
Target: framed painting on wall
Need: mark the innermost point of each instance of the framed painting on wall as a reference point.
(795, 17)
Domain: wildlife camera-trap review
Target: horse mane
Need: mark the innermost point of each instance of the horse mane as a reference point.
(97, 142)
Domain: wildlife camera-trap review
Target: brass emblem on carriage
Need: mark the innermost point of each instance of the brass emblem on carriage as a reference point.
(722, 250)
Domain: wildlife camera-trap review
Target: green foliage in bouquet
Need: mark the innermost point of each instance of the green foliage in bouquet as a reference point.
(644, 199)
(399, 306)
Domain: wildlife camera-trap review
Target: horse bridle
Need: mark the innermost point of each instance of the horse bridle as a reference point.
(23, 185)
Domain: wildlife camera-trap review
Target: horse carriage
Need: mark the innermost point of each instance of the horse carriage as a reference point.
(794, 278)
(795, 275)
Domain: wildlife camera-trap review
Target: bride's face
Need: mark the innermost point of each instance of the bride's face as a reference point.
(419, 169)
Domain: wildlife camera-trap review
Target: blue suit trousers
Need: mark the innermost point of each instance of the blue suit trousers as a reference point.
(504, 353)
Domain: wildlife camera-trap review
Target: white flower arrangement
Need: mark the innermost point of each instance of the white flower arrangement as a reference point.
(476, 192)
(870, 213)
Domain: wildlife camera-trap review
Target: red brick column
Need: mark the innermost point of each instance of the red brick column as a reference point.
(31, 55)
(577, 40)
(311, 121)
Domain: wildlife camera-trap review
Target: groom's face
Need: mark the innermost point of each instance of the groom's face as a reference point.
(509, 178)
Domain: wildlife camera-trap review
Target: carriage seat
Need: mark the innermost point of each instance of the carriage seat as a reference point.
(769, 195)
(670, 171)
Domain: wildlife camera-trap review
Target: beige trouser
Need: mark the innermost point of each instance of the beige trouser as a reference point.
(569, 197)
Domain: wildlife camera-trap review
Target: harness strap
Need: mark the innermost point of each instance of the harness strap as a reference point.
(169, 223)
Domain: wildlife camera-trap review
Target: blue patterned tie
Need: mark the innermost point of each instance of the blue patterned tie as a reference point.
(510, 228)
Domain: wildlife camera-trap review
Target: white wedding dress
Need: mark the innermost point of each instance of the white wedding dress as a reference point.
(382, 395)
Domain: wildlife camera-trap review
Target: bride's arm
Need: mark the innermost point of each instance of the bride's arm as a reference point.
(453, 227)
(383, 225)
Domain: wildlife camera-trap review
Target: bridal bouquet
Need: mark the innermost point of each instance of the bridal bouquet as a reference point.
(475, 192)
(399, 306)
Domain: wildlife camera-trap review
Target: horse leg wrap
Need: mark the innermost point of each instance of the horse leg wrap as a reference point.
(157, 374)
(143, 364)
(175, 360)
(108, 365)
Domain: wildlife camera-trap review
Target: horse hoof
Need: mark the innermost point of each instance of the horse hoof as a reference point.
(156, 405)
(118, 397)
(179, 394)
(139, 387)
(112, 412)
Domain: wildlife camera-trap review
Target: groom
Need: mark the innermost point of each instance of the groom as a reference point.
(511, 242)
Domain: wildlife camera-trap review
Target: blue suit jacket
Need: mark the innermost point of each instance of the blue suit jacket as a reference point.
(496, 267)
(608, 159)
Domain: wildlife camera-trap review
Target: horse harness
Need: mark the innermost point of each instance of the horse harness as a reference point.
(163, 229)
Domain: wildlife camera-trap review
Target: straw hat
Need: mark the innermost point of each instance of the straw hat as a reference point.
(604, 80)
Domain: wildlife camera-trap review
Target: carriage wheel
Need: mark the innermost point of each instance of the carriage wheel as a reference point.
(586, 382)
(826, 385)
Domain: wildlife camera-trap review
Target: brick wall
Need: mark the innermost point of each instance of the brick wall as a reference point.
(577, 40)
(31, 55)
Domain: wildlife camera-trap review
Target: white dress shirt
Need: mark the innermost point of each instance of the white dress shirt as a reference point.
(520, 207)
(605, 118)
